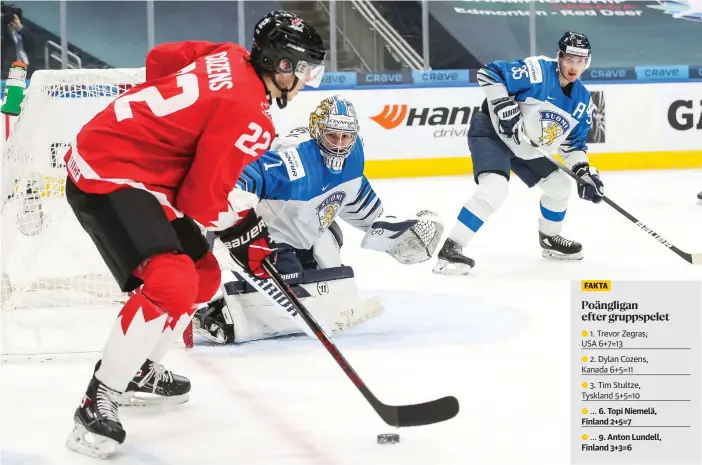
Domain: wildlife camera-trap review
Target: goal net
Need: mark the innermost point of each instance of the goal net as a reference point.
(57, 295)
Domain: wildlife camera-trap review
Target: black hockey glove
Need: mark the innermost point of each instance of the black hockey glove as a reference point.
(249, 244)
(594, 188)
(511, 122)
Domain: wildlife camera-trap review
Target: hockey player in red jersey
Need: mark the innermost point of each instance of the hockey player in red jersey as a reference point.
(161, 158)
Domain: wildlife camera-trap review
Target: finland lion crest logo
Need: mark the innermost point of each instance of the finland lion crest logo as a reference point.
(327, 210)
(553, 126)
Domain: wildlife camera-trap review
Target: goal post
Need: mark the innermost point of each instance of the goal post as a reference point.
(55, 286)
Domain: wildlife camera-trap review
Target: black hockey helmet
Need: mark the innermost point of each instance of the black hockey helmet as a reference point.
(284, 44)
(575, 43)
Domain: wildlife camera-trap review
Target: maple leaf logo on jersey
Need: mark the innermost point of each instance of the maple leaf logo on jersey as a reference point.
(553, 126)
(327, 210)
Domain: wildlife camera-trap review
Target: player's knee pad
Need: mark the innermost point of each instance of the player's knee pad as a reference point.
(557, 186)
(492, 190)
(170, 282)
(209, 277)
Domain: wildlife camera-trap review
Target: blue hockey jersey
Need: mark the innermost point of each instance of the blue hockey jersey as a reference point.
(551, 118)
(300, 197)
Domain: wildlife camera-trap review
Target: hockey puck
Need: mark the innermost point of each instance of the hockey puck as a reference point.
(388, 439)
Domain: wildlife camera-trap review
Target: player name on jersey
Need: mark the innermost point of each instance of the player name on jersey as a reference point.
(635, 376)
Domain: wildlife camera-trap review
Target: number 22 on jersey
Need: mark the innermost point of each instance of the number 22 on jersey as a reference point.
(257, 140)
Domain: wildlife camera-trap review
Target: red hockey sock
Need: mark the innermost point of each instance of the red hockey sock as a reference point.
(166, 298)
(135, 334)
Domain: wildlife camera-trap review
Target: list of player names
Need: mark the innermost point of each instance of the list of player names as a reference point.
(635, 374)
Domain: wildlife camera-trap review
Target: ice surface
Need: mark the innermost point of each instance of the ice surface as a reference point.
(497, 339)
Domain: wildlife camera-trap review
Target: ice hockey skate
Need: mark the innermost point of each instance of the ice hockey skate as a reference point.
(154, 385)
(560, 248)
(452, 261)
(97, 431)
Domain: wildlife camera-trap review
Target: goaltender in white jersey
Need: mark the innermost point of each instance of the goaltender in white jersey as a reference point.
(309, 179)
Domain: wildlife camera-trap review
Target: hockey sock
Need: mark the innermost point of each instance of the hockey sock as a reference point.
(169, 292)
(137, 330)
(491, 192)
(554, 202)
(172, 332)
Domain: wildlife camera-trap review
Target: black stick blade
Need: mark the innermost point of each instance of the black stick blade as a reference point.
(427, 413)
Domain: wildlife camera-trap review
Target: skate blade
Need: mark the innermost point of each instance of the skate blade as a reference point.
(145, 399)
(553, 255)
(451, 269)
(84, 442)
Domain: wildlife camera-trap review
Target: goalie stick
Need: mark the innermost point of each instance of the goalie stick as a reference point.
(399, 416)
(695, 259)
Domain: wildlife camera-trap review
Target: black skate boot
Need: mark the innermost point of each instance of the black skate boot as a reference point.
(153, 385)
(210, 323)
(452, 261)
(559, 248)
(97, 431)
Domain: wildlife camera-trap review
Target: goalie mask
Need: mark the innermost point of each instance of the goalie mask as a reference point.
(334, 126)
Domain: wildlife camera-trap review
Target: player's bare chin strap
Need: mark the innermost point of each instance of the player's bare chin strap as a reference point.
(283, 99)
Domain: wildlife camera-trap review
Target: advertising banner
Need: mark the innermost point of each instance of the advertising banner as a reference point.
(422, 131)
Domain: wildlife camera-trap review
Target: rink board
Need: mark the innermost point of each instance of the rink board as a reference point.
(413, 131)
(422, 131)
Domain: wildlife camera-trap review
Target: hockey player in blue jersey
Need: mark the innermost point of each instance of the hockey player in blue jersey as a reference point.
(537, 99)
(307, 181)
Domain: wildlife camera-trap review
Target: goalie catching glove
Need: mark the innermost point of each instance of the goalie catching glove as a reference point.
(409, 241)
(249, 244)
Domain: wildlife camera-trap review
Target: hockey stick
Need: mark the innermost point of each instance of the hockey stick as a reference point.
(399, 416)
(695, 259)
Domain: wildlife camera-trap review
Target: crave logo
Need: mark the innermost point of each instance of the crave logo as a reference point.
(446, 121)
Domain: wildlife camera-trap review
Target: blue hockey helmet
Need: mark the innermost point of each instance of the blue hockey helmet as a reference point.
(334, 125)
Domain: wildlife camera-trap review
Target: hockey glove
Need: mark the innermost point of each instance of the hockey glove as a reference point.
(249, 244)
(511, 122)
(593, 190)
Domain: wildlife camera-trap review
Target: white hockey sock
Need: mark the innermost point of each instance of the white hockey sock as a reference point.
(491, 192)
(554, 202)
(136, 332)
(170, 335)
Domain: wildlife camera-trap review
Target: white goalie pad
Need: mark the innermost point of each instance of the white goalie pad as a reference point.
(410, 240)
(334, 304)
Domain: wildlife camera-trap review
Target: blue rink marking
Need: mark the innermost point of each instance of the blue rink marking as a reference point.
(9, 457)
(410, 320)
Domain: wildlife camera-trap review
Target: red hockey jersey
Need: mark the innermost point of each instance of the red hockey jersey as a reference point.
(184, 135)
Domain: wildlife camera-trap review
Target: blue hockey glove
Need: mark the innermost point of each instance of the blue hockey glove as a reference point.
(511, 122)
(594, 188)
